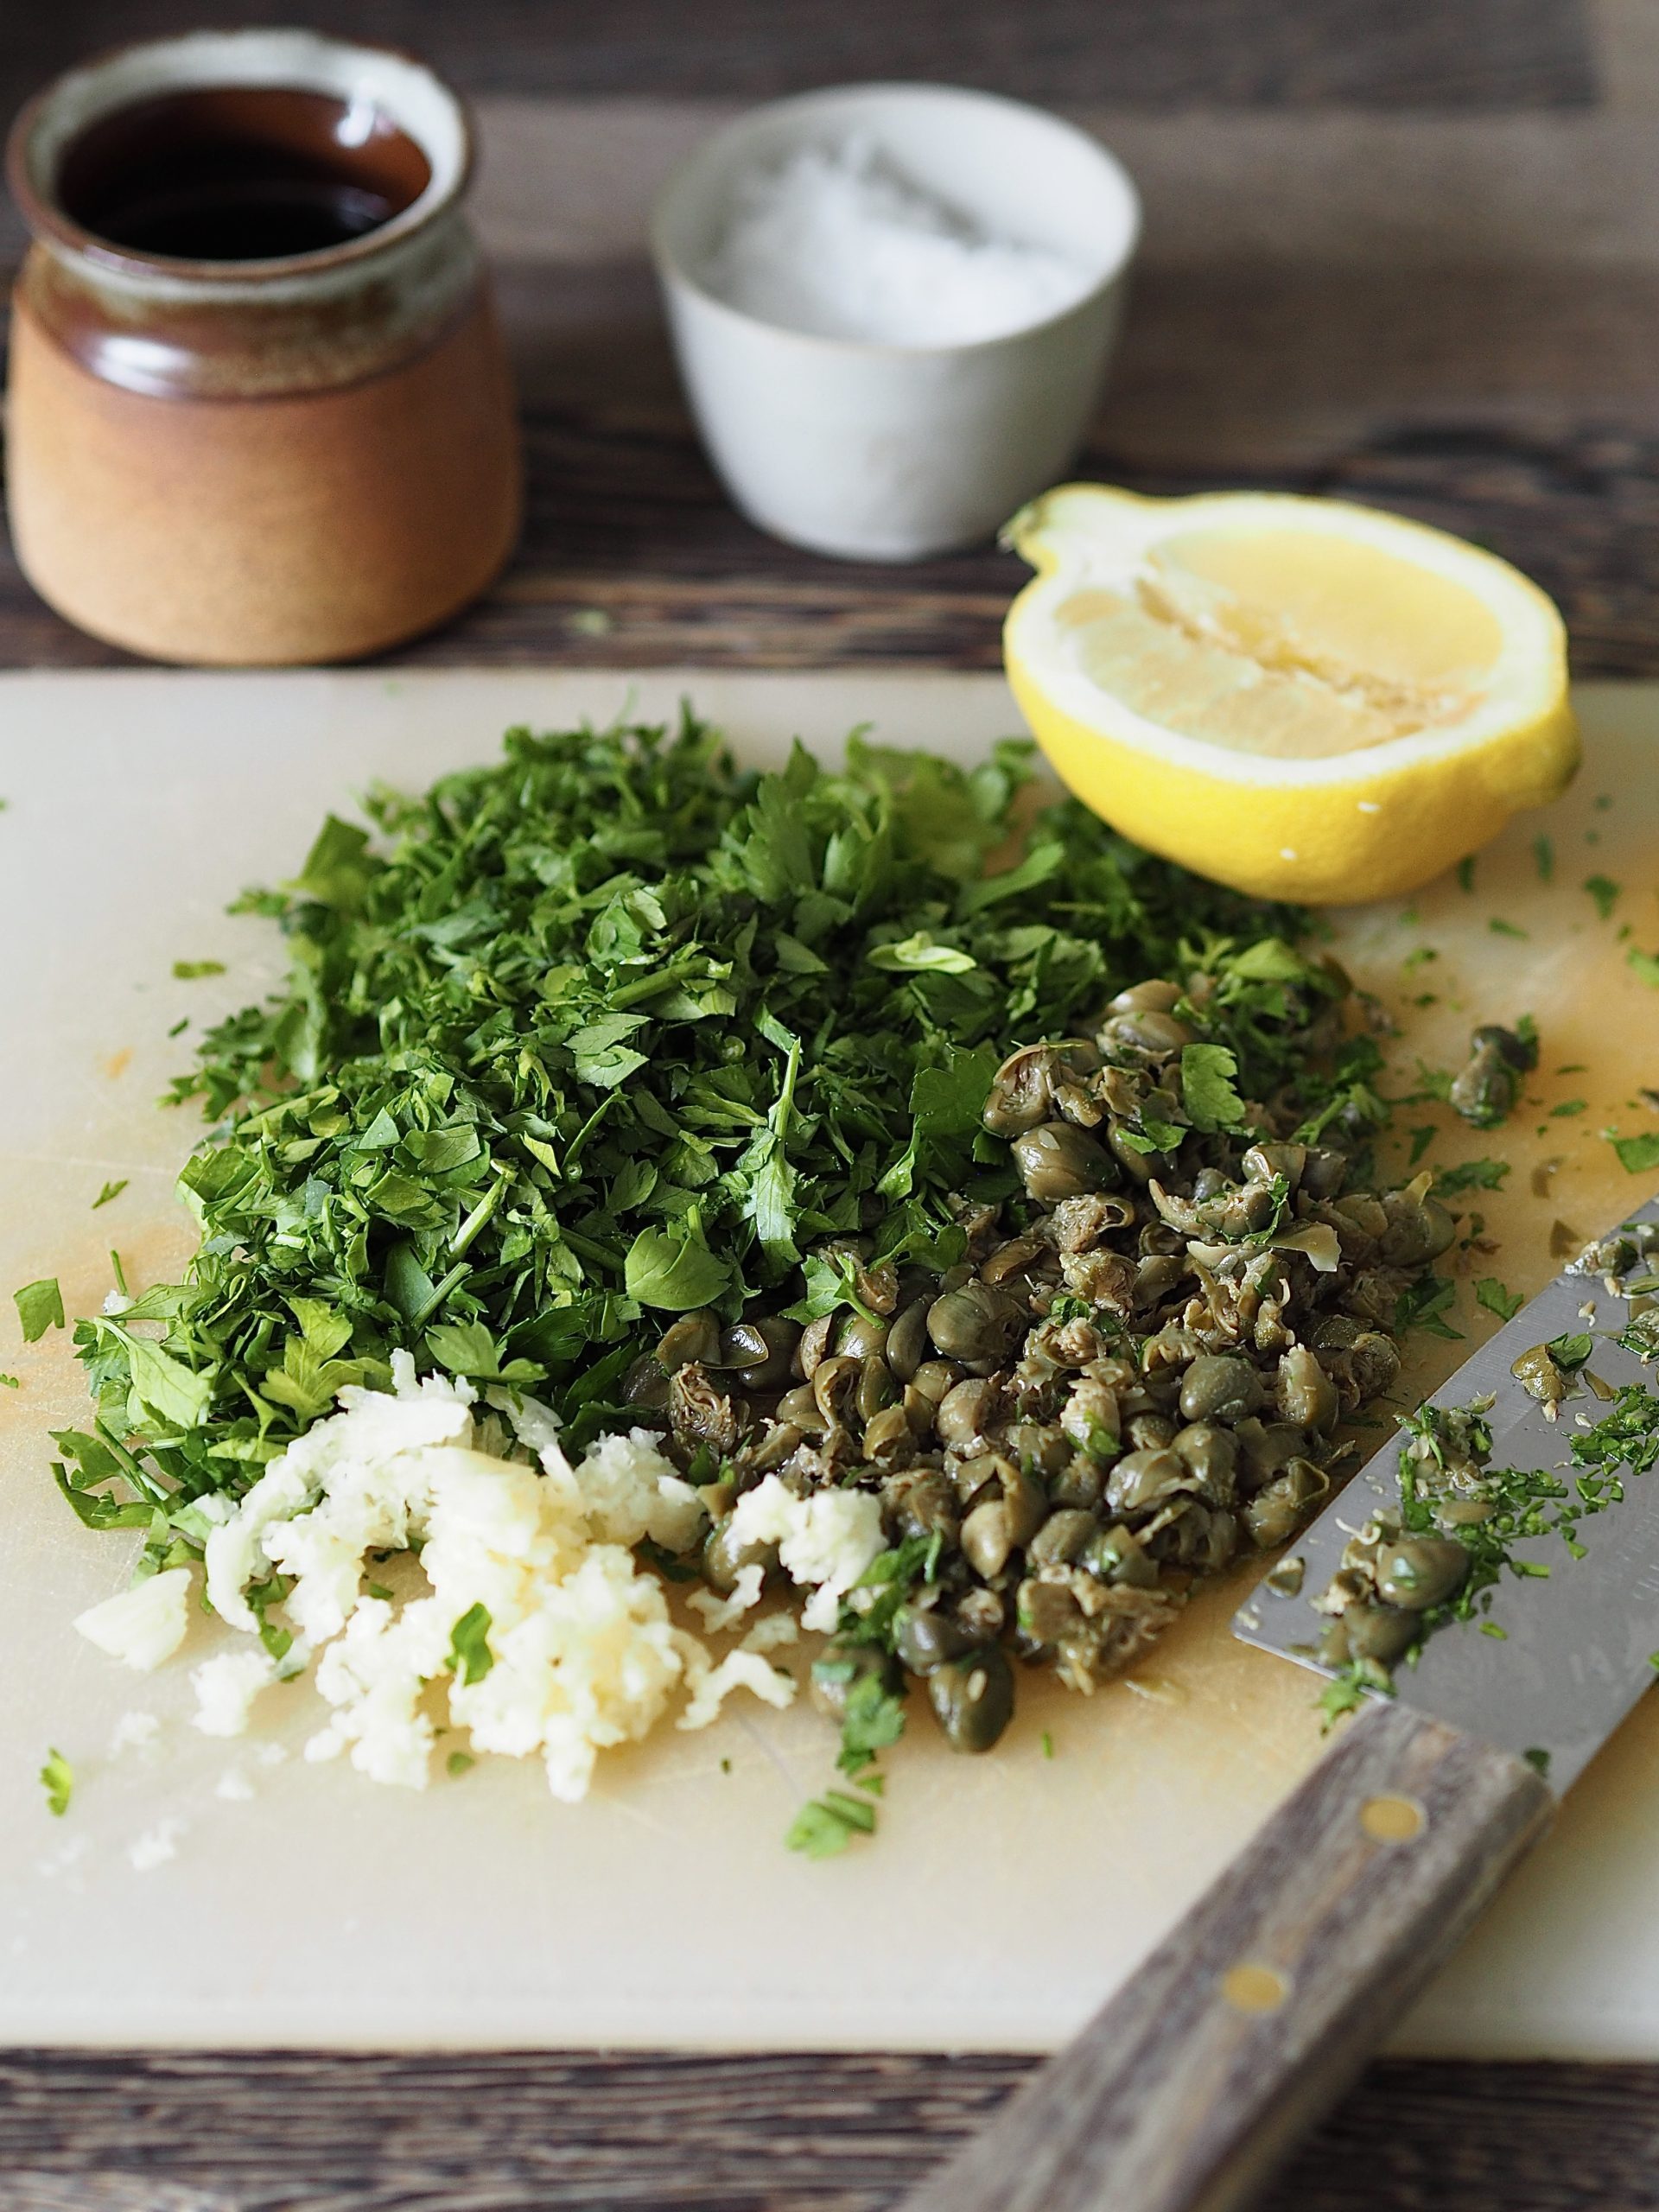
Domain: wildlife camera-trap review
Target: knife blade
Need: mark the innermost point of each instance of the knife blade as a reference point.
(1574, 1655)
(1188, 2088)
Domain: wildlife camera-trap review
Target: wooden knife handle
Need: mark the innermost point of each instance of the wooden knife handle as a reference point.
(1255, 2013)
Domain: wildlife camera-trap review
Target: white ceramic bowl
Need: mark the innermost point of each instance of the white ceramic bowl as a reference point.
(889, 452)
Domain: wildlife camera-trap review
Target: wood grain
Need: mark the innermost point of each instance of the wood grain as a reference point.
(1519, 403)
(1408, 52)
(1185, 2092)
(546, 2132)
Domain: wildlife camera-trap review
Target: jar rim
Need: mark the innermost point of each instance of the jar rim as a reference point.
(427, 110)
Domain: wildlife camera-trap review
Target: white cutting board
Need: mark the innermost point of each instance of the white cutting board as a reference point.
(1004, 1897)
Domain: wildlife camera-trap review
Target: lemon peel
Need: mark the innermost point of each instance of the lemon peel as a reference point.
(1299, 697)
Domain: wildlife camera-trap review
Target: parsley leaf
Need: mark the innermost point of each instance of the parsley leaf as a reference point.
(110, 1191)
(1207, 1092)
(58, 1780)
(469, 1656)
(1638, 1154)
(40, 1307)
(1605, 891)
(1492, 1294)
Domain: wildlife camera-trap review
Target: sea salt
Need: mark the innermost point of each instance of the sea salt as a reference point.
(837, 242)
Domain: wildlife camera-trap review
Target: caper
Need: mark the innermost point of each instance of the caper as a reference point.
(1263, 1161)
(966, 1412)
(935, 1378)
(1081, 1482)
(1280, 1506)
(1156, 995)
(924, 1638)
(1419, 1572)
(1306, 1394)
(799, 1407)
(1061, 1537)
(724, 1558)
(986, 1542)
(1151, 1431)
(1381, 1632)
(814, 1347)
(1536, 1372)
(693, 1337)
(1147, 1032)
(972, 1698)
(1210, 1455)
(1419, 1229)
(876, 1388)
(1269, 1448)
(887, 1433)
(859, 1338)
(982, 1613)
(1324, 1172)
(908, 1341)
(921, 1503)
(1025, 1088)
(1143, 1479)
(1486, 1087)
(761, 1351)
(1154, 1278)
(1046, 1613)
(840, 1667)
(1058, 1161)
(1116, 1555)
(975, 1322)
(834, 1386)
(646, 1384)
(1219, 1386)
(1043, 1446)
(1019, 1256)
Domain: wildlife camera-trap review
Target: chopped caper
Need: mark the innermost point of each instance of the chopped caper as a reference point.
(972, 1698)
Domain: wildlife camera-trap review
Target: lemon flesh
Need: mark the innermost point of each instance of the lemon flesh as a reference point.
(1300, 698)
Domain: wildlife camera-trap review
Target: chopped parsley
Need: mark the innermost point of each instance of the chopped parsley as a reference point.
(1499, 927)
(1491, 1293)
(188, 971)
(1638, 1154)
(110, 1191)
(1645, 966)
(40, 1307)
(1471, 1175)
(614, 1028)
(470, 1657)
(58, 1780)
(1605, 891)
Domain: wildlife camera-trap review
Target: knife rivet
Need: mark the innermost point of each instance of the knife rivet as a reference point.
(1252, 1988)
(1392, 1820)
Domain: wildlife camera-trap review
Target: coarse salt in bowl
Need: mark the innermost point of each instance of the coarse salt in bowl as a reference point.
(893, 307)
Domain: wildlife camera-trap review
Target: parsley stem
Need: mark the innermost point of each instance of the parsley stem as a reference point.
(585, 1249)
(646, 987)
(480, 1213)
(429, 1305)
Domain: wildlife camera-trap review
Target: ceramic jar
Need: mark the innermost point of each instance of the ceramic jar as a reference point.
(242, 454)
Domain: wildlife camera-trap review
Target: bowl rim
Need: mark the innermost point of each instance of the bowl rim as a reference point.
(50, 223)
(673, 271)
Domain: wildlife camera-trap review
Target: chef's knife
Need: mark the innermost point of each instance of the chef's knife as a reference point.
(1251, 2017)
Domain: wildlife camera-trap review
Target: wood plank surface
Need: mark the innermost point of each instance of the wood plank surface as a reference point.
(1399, 251)
(531, 2132)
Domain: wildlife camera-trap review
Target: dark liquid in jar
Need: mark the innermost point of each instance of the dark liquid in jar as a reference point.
(240, 173)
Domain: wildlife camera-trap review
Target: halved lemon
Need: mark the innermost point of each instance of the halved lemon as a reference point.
(1304, 699)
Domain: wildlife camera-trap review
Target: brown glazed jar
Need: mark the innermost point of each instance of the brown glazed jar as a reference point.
(259, 410)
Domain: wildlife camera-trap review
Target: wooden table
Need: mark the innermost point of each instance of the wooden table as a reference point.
(1397, 249)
